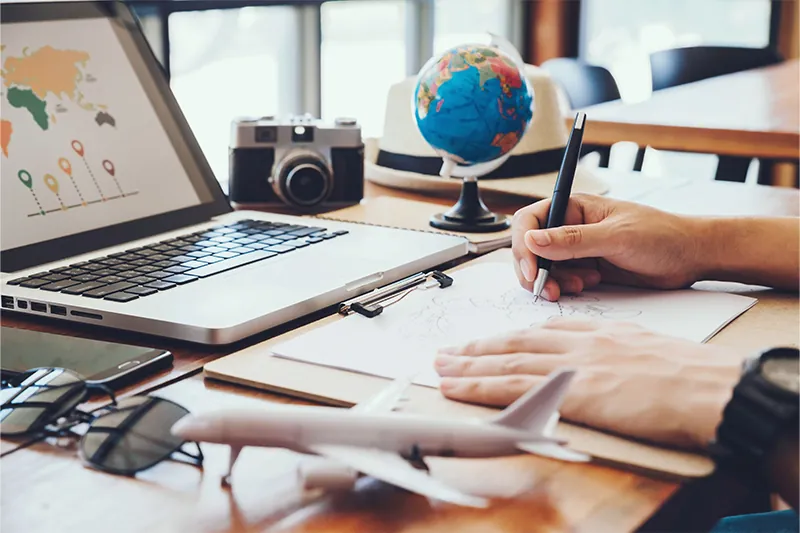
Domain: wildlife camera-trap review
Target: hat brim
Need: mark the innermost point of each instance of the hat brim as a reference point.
(537, 186)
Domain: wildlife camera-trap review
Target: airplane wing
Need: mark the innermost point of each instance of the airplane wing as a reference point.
(386, 400)
(392, 468)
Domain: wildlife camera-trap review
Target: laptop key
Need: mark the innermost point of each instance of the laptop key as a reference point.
(244, 241)
(241, 250)
(111, 279)
(110, 262)
(17, 281)
(35, 283)
(306, 231)
(147, 269)
(199, 253)
(121, 297)
(160, 285)
(161, 274)
(102, 292)
(141, 280)
(166, 263)
(180, 279)
(279, 249)
(314, 240)
(59, 285)
(142, 291)
(83, 287)
(210, 259)
(55, 277)
(226, 255)
(192, 264)
(341, 232)
(179, 269)
(222, 266)
(214, 249)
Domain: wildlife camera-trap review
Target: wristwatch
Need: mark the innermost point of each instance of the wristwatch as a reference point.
(763, 406)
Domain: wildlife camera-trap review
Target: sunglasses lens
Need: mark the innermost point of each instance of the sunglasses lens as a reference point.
(134, 437)
(42, 398)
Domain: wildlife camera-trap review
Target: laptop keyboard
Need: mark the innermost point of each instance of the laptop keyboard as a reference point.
(140, 272)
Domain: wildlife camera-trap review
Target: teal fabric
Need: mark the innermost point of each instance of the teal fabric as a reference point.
(775, 522)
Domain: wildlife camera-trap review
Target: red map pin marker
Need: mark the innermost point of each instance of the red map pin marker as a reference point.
(64, 165)
(78, 147)
(109, 166)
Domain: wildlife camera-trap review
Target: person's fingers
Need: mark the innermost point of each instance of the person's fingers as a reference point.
(551, 291)
(589, 277)
(527, 285)
(570, 283)
(533, 340)
(572, 324)
(572, 242)
(527, 218)
(497, 365)
(493, 390)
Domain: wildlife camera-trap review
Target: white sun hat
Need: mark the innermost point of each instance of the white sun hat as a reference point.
(402, 159)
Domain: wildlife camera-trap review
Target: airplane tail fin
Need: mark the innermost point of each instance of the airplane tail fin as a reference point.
(535, 410)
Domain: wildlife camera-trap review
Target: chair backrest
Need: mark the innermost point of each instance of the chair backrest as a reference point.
(583, 84)
(685, 65)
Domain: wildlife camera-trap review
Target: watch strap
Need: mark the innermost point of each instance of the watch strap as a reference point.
(751, 423)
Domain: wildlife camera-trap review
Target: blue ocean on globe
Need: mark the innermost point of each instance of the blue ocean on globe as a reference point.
(472, 104)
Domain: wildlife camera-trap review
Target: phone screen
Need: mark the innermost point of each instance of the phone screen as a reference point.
(22, 350)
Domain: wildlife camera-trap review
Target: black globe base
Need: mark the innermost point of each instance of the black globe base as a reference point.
(470, 214)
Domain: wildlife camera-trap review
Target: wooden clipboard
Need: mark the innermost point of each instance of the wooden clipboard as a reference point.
(775, 320)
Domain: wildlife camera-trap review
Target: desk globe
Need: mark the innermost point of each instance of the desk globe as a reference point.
(472, 105)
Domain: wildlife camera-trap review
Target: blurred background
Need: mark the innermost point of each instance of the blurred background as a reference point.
(227, 58)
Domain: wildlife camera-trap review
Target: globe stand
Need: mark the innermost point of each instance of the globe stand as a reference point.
(470, 214)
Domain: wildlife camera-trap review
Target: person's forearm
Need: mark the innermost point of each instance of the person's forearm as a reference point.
(760, 251)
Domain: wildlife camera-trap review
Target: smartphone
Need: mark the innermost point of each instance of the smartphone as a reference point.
(99, 362)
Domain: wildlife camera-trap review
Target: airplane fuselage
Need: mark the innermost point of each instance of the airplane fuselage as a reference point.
(408, 435)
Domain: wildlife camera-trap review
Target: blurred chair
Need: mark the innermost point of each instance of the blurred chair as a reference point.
(686, 65)
(584, 85)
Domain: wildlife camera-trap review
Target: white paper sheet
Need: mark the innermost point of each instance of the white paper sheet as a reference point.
(486, 300)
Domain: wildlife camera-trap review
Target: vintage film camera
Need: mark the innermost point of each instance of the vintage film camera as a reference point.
(300, 161)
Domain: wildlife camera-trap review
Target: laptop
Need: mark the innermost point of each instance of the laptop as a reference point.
(112, 216)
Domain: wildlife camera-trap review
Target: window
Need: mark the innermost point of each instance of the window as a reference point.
(363, 52)
(621, 34)
(329, 58)
(464, 21)
(228, 63)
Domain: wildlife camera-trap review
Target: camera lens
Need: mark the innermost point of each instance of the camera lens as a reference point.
(302, 178)
(306, 184)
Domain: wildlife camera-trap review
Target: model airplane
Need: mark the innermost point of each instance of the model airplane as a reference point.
(370, 440)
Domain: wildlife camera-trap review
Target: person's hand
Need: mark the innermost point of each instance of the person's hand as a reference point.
(629, 380)
(605, 239)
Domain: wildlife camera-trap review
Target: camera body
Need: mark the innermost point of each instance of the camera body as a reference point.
(299, 161)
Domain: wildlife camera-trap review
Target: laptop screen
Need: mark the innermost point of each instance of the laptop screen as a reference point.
(89, 141)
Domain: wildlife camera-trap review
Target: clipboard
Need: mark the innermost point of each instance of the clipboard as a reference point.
(255, 367)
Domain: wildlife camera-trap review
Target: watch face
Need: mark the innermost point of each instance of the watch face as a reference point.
(783, 373)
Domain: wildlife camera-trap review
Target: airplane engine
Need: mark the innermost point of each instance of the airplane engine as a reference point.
(326, 475)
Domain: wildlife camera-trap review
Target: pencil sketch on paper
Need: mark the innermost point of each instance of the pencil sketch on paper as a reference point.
(446, 315)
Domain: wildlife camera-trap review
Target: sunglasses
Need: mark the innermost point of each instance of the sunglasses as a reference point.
(124, 437)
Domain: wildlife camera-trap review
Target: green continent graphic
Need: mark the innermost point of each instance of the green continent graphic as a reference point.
(25, 98)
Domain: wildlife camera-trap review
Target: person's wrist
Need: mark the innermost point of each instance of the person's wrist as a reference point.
(709, 245)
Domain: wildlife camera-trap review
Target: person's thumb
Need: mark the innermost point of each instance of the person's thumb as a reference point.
(570, 242)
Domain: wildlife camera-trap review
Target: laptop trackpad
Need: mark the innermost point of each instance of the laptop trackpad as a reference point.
(255, 290)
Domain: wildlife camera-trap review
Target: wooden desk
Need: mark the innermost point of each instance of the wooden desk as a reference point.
(754, 113)
(46, 488)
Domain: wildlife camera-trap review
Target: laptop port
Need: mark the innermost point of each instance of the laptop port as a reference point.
(39, 308)
(84, 314)
(58, 310)
(8, 302)
(22, 304)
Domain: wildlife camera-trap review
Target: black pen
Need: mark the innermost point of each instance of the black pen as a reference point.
(561, 192)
